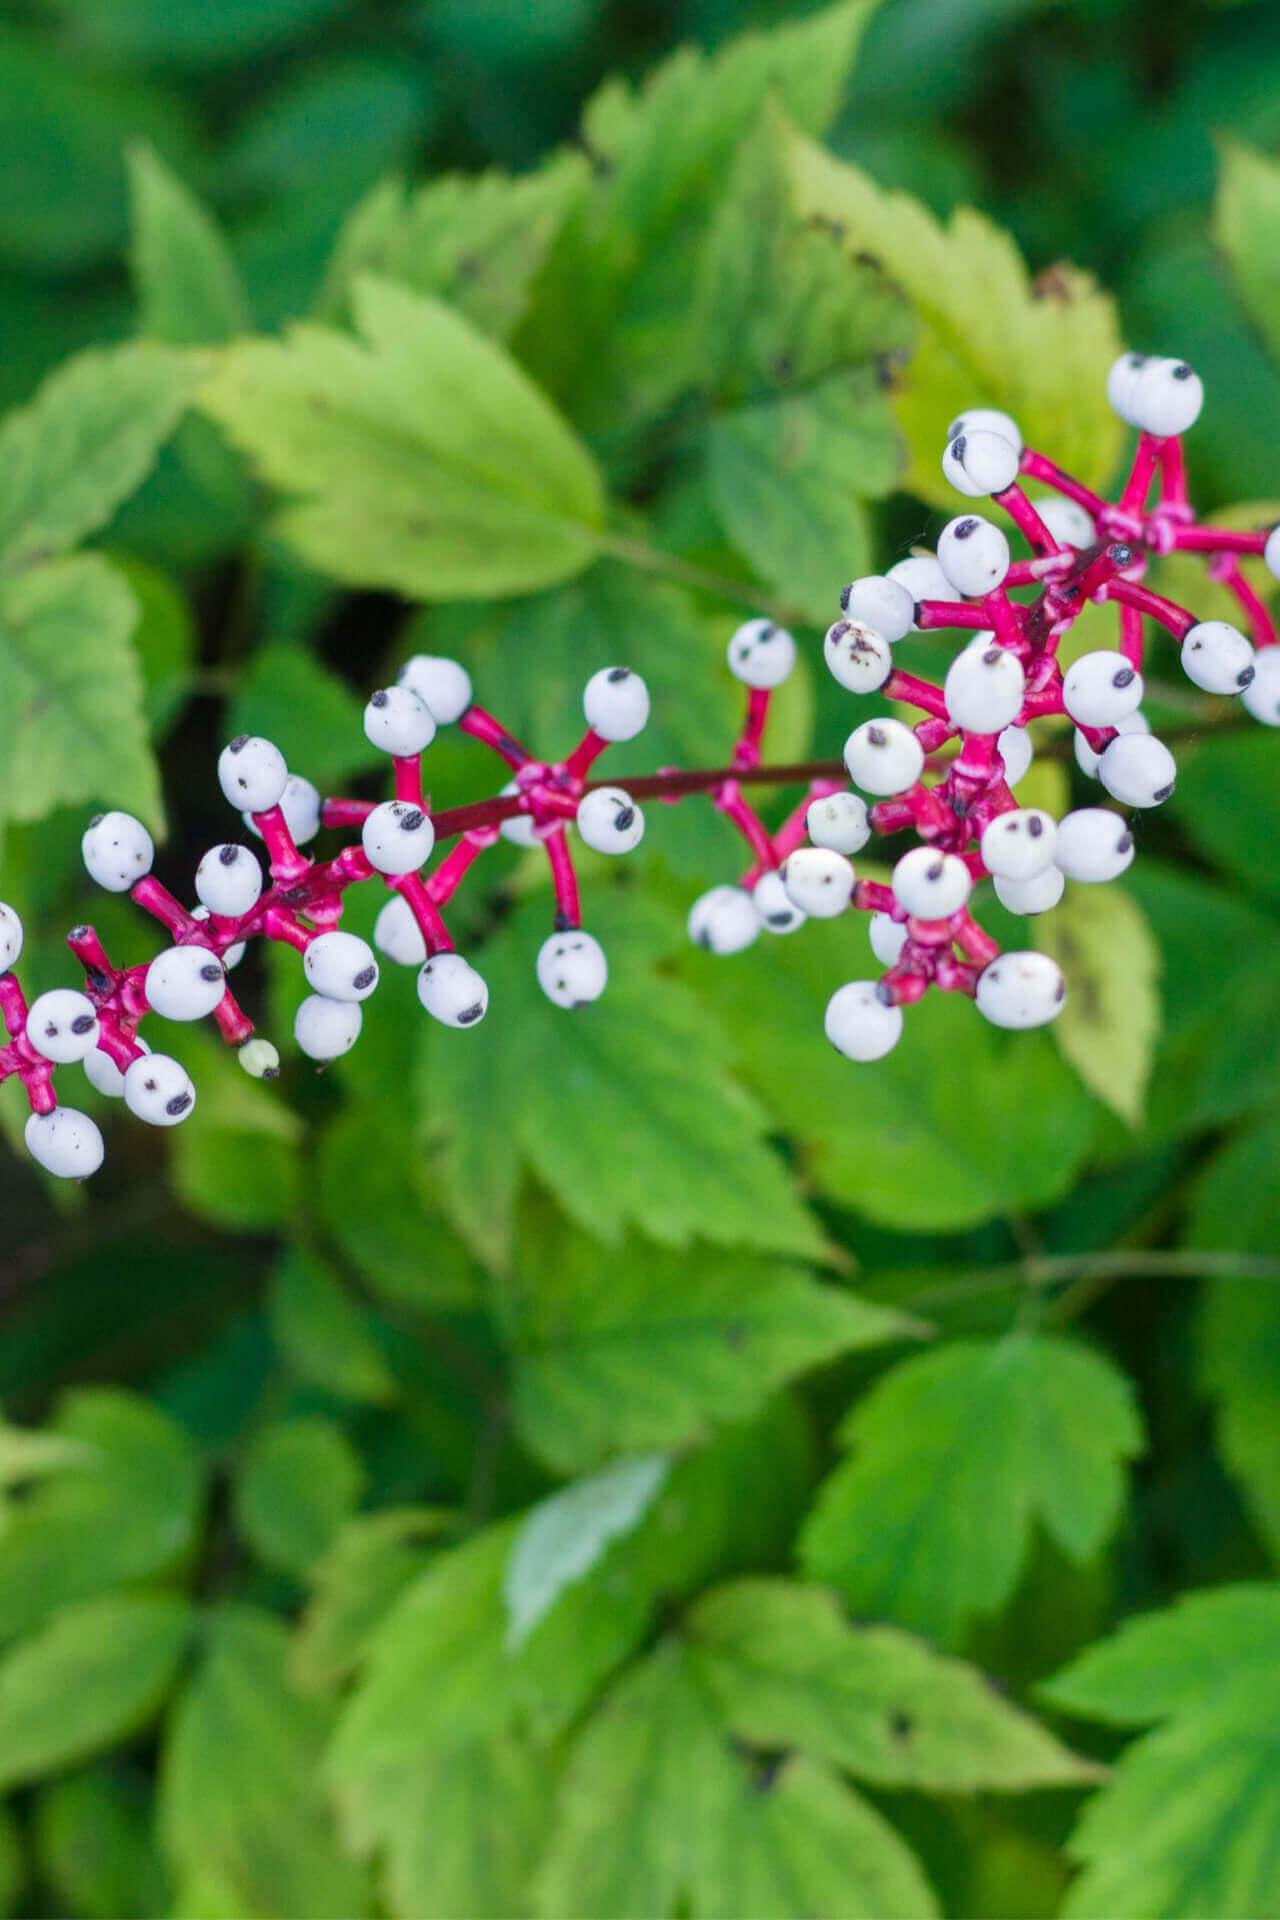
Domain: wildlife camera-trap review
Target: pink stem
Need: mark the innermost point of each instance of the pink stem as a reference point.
(161, 905)
(931, 614)
(563, 879)
(1037, 467)
(1167, 612)
(585, 754)
(748, 822)
(408, 781)
(491, 733)
(1262, 628)
(448, 876)
(917, 692)
(346, 813)
(1145, 461)
(747, 752)
(412, 888)
(1028, 522)
(1131, 635)
(1216, 540)
(285, 860)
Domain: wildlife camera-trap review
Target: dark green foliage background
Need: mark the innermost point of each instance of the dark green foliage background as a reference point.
(590, 1467)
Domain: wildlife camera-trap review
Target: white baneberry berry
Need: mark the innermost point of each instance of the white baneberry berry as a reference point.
(397, 837)
(63, 1025)
(300, 805)
(984, 687)
(610, 821)
(1018, 845)
(987, 420)
(881, 602)
(1070, 524)
(325, 1029)
(923, 579)
(11, 937)
(1101, 689)
(444, 686)
(452, 991)
(777, 911)
(1271, 552)
(857, 656)
(862, 1022)
(1261, 698)
(1021, 990)
(724, 920)
(1122, 385)
(1165, 397)
(761, 654)
(259, 1059)
(838, 821)
(615, 702)
(102, 1073)
(883, 756)
(571, 968)
(520, 828)
(234, 954)
(252, 773)
(65, 1143)
(158, 1090)
(980, 462)
(1014, 747)
(397, 934)
(340, 966)
(118, 851)
(1038, 894)
(397, 721)
(888, 937)
(1217, 657)
(185, 983)
(228, 881)
(818, 881)
(1094, 844)
(1087, 759)
(930, 885)
(973, 554)
(1138, 770)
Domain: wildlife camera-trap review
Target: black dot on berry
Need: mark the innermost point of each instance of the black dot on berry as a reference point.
(470, 1015)
(365, 978)
(83, 1024)
(411, 821)
(149, 1086)
(1162, 793)
(767, 631)
(97, 820)
(935, 871)
(1124, 843)
(991, 656)
(239, 744)
(211, 972)
(877, 736)
(884, 994)
(51, 1031)
(179, 1104)
(228, 856)
(618, 673)
(625, 819)
(964, 529)
(1245, 676)
(562, 921)
(1123, 677)
(1120, 554)
(957, 448)
(1182, 372)
(380, 698)
(1061, 994)
(1035, 826)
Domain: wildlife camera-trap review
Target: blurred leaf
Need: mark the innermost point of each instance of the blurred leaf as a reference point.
(324, 1333)
(164, 640)
(1225, 789)
(302, 1479)
(1109, 1026)
(563, 1537)
(1187, 1824)
(340, 121)
(375, 1201)
(239, 1801)
(236, 1162)
(627, 1348)
(98, 1671)
(312, 716)
(28, 1454)
(662, 1814)
(1247, 228)
(369, 1562)
(956, 1456)
(130, 1511)
(510, 30)
(475, 241)
(184, 275)
(1239, 1369)
(13, 1865)
(787, 1670)
(95, 1847)
(189, 32)
(990, 336)
(82, 445)
(651, 1134)
(421, 459)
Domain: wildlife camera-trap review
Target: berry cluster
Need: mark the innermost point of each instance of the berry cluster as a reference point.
(949, 779)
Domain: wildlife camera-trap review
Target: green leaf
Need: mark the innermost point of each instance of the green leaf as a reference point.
(547, 1091)
(302, 1479)
(367, 1565)
(891, 1139)
(72, 726)
(237, 1165)
(475, 241)
(563, 1537)
(96, 1673)
(128, 1511)
(787, 1669)
(660, 1814)
(956, 1455)
(635, 1348)
(1239, 1369)
(609, 326)
(187, 284)
(313, 716)
(419, 458)
(1236, 1203)
(1246, 225)
(28, 1454)
(81, 447)
(189, 33)
(1187, 1825)
(1041, 349)
(164, 640)
(376, 1203)
(1224, 789)
(239, 1801)
(1108, 1028)
(323, 1332)
(95, 1848)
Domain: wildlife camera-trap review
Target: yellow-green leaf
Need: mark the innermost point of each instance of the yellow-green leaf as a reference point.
(1109, 1025)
